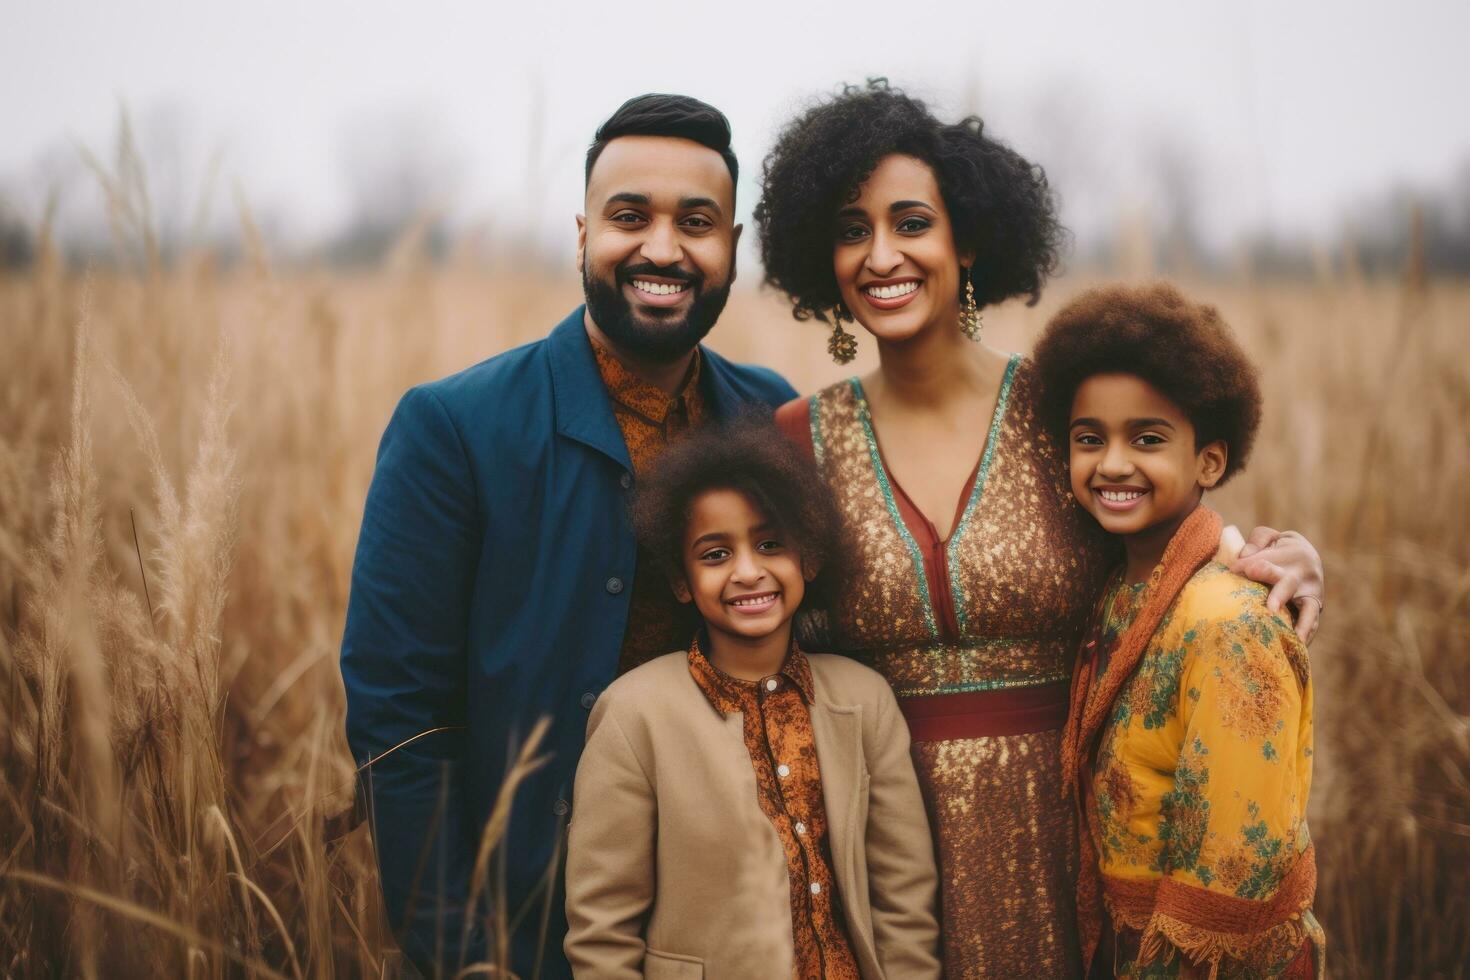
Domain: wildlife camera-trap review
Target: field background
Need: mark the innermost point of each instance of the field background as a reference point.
(174, 792)
(211, 301)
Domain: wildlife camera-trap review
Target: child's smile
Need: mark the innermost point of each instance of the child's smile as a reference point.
(754, 605)
(1119, 499)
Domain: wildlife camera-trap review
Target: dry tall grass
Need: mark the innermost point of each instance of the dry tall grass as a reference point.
(183, 461)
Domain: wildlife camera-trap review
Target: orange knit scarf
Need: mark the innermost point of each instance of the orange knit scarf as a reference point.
(1194, 544)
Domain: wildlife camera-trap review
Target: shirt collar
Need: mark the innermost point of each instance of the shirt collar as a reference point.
(729, 694)
(633, 393)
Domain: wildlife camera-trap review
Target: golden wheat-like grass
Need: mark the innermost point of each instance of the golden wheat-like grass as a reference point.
(183, 460)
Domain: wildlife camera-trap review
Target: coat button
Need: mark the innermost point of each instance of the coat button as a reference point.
(626, 479)
(816, 888)
(561, 808)
(783, 770)
(588, 700)
(614, 585)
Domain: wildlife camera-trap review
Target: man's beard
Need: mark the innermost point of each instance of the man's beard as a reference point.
(668, 337)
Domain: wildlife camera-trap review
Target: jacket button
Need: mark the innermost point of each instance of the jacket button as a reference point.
(588, 700)
(614, 585)
(561, 808)
(626, 479)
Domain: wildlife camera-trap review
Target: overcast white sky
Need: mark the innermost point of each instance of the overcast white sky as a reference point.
(1287, 111)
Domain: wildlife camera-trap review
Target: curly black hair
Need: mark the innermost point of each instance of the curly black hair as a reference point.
(1181, 348)
(999, 203)
(751, 456)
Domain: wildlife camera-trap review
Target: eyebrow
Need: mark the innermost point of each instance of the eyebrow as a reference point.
(894, 208)
(766, 528)
(712, 536)
(627, 197)
(1145, 423)
(685, 203)
(690, 203)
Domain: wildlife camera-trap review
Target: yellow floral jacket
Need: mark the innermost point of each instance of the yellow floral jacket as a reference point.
(1197, 794)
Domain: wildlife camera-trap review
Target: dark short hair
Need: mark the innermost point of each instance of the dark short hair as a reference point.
(1000, 205)
(666, 115)
(752, 457)
(1181, 348)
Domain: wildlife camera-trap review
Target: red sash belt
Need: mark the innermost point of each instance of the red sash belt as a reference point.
(977, 714)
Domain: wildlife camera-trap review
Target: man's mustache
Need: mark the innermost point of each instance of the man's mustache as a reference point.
(631, 272)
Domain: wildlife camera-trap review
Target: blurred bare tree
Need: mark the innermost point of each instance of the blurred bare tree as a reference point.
(398, 172)
(17, 250)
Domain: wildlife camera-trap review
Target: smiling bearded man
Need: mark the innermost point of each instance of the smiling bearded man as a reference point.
(497, 580)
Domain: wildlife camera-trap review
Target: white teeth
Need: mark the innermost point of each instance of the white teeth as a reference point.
(892, 292)
(758, 600)
(1120, 496)
(659, 288)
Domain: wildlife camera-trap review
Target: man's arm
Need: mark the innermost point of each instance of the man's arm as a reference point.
(404, 670)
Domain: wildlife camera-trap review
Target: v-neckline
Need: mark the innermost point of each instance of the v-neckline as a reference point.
(974, 485)
(948, 612)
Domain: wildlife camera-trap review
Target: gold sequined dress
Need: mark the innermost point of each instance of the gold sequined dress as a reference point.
(977, 634)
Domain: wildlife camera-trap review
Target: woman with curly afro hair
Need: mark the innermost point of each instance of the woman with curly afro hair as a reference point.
(974, 570)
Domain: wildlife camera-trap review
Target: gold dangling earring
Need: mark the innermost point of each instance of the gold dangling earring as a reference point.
(841, 345)
(970, 324)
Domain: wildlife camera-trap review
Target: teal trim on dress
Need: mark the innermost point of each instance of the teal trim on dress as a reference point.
(945, 652)
(883, 484)
(991, 685)
(991, 440)
(815, 414)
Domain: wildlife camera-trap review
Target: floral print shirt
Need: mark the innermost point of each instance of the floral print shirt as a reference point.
(1198, 793)
(777, 726)
(650, 420)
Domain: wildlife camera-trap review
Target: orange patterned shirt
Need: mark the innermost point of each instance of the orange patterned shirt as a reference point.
(650, 420)
(783, 749)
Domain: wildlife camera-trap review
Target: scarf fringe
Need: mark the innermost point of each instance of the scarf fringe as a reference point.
(1163, 937)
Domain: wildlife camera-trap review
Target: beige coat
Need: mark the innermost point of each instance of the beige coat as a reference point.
(673, 871)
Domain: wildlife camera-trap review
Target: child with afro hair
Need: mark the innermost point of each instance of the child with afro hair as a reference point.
(745, 808)
(1188, 746)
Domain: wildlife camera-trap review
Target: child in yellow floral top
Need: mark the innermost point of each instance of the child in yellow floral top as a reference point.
(1189, 740)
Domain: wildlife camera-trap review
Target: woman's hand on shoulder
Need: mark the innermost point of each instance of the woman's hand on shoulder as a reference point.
(1291, 566)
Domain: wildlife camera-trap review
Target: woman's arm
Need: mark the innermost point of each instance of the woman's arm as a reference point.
(902, 879)
(1288, 564)
(610, 854)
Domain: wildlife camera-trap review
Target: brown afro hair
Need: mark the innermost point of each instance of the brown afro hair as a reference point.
(751, 456)
(1181, 348)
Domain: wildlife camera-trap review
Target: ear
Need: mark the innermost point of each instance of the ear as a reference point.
(1210, 463)
(735, 249)
(810, 570)
(967, 262)
(581, 243)
(681, 589)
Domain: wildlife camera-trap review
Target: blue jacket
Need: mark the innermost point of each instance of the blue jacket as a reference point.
(491, 588)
